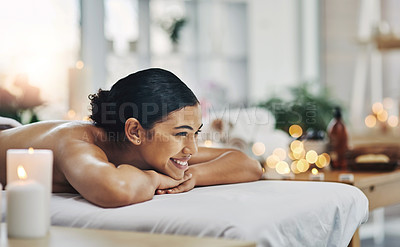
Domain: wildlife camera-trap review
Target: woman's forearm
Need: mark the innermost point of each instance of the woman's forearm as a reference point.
(230, 167)
(139, 186)
(129, 186)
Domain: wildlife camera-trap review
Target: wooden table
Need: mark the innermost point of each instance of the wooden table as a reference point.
(66, 236)
(381, 188)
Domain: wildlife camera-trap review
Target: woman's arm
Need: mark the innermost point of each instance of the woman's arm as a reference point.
(219, 166)
(87, 169)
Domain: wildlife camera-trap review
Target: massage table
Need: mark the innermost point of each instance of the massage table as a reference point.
(270, 213)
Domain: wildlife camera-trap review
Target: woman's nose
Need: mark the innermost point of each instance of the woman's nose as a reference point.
(191, 146)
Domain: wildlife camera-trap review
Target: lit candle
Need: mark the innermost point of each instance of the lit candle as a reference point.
(315, 175)
(26, 210)
(38, 164)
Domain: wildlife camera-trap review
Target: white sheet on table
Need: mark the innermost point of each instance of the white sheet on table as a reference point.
(271, 213)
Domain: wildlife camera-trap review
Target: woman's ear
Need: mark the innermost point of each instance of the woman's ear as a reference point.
(134, 131)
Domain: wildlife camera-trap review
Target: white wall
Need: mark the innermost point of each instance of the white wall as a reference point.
(214, 48)
(391, 59)
(273, 53)
(340, 46)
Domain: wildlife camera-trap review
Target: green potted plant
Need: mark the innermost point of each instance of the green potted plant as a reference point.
(311, 111)
(173, 26)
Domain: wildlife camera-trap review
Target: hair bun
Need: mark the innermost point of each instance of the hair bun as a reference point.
(100, 105)
(101, 96)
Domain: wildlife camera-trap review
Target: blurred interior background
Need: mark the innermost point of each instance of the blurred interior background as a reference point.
(232, 53)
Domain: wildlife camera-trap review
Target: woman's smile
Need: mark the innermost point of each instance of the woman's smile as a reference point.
(181, 163)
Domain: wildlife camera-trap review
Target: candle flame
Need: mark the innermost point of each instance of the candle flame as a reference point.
(21, 172)
(30, 150)
(314, 171)
(79, 64)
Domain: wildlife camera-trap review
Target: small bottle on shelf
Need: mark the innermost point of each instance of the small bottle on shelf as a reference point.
(337, 141)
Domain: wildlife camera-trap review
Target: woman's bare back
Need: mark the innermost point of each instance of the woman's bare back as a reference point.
(46, 135)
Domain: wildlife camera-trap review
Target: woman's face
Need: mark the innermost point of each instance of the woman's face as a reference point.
(171, 143)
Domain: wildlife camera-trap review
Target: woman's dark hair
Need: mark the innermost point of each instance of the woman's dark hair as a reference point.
(148, 95)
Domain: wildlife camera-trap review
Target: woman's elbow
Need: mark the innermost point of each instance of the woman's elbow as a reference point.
(255, 169)
(251, 167)
(110, 199)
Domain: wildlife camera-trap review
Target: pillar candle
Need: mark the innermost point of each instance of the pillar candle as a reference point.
(77, 91)
(26, 210)
(1, 202)
(38, 164)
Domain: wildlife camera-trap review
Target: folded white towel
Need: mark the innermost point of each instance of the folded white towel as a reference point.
(9, 121)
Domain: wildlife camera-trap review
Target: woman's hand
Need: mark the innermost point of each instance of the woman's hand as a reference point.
(182, 187)
(167, 182)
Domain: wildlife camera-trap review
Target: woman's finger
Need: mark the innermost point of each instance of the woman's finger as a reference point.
(186, 177)
(175, 190)
(180, 188)
(161, 192)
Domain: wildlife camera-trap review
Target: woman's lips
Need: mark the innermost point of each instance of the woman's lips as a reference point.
(180, 163)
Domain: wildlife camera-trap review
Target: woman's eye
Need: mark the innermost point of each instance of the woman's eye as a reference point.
(181, 134)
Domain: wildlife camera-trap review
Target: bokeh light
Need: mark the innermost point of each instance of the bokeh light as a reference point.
(323, 160)
(293, 167)
(382, 116)
(311, 156)
(327, 158)
(314, 171)
(272, 160)
(208, 143)
(295, 131)
(290, 155)
(299, 153)
(282, 167)
(280, 152)
(393, 121)
(258, 148)
(302, 165)
(296, 146)
(377, 107)
(370, 121)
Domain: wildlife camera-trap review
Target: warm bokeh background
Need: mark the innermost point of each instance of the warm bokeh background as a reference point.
(232, 53)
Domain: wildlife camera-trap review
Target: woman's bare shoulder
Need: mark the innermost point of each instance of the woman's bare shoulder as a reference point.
(48, 134)
(75, 130)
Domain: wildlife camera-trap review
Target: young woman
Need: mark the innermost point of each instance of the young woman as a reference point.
(142, 141)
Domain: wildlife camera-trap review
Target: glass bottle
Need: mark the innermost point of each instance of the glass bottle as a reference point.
(337, 141)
